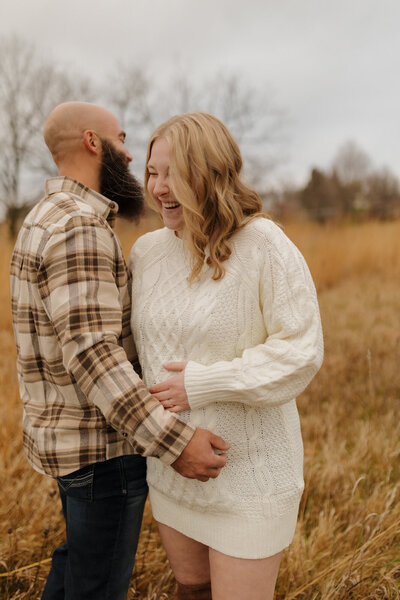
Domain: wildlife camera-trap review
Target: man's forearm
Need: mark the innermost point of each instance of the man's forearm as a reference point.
(107, 378)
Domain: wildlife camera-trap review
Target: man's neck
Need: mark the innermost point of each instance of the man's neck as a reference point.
(84, 176)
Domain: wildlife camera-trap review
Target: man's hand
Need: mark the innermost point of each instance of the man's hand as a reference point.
(199, 460)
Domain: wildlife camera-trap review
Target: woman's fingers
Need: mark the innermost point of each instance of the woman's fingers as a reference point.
(175, 366)
(161, 396)
(171, 407)
(159, 387)
(176, 409)
(167, 404)
(171, 393)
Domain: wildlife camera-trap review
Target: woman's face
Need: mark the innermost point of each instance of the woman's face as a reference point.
(159, 187)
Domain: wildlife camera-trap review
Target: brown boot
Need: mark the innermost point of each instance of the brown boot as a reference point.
(198, 591)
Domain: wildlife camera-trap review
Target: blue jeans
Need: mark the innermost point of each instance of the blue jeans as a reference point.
(103, 508)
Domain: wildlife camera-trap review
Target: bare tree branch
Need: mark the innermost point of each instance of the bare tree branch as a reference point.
(30, 87)
(142, 102)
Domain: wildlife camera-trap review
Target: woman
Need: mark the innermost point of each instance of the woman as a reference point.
(225, 300)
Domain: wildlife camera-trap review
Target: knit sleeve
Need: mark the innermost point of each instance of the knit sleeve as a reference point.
(280, 368)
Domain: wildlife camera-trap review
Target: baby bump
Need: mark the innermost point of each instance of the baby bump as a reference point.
(260, 461)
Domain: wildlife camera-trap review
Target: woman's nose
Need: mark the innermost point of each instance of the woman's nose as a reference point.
(160, 186)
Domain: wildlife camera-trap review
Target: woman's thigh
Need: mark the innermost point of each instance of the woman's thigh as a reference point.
(238, 578)
(188, 559)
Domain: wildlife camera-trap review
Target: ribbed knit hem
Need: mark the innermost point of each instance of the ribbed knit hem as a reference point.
(235, 535)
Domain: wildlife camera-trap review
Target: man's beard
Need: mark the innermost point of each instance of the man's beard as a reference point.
(118, 184)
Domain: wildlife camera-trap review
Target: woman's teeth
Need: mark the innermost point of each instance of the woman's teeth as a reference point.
(170, 204)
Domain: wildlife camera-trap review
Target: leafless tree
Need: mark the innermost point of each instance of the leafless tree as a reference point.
(143, 101)
(129, 93)
(30, 86)
(351, 163)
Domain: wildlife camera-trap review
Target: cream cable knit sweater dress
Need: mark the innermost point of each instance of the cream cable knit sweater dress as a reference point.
(253, 341)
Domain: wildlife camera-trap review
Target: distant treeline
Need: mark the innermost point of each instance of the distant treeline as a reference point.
(32, 84)
(351, 190)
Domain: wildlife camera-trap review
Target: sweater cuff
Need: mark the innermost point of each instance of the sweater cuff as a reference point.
(200, 391)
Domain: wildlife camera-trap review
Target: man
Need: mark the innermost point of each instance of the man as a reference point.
(88, 419)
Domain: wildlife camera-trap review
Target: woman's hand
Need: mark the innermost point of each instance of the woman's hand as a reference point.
(171, 393)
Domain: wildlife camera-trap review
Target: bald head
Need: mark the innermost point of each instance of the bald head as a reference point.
(67, 123)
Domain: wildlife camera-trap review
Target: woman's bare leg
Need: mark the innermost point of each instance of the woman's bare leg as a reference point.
(188, 559)
(231, 578)
(241, 578)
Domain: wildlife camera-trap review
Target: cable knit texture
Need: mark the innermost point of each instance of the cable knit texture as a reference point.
(253, 341)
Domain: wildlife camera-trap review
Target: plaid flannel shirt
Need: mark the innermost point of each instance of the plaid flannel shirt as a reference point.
(83, 401)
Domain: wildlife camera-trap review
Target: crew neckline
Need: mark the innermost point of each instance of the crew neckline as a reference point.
(173, 238)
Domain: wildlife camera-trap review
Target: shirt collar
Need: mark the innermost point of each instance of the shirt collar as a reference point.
(102, 205)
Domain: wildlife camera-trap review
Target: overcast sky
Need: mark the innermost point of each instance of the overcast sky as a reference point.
(332, 65)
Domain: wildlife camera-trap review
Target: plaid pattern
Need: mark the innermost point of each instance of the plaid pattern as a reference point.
(83, 401)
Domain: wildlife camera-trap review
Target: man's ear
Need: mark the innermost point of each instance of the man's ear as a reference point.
(92, 141)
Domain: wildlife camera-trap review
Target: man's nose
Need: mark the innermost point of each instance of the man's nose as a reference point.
(129, 156)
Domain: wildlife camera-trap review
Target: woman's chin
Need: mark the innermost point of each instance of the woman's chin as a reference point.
(174, 219)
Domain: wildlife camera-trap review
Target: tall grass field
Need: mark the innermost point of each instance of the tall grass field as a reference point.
(347, 542)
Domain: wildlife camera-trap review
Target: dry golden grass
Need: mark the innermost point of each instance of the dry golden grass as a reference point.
(347, 543)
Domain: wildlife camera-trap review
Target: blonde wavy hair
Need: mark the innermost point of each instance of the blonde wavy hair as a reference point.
(204, 173)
